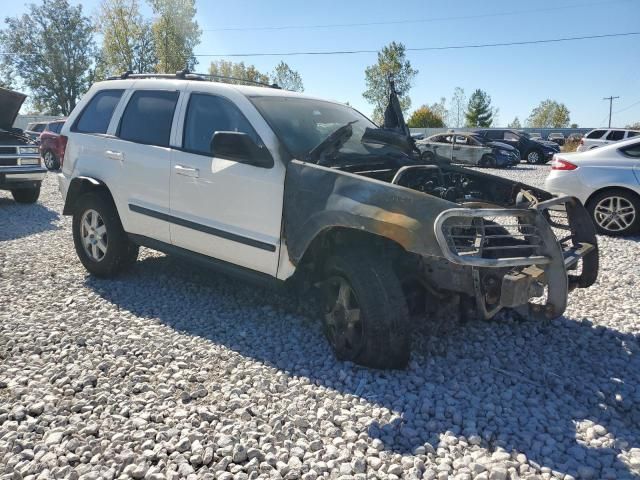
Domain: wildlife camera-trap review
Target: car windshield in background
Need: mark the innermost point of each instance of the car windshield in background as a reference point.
(302, 124)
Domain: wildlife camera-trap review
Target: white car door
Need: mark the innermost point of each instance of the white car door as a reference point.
(141, 149)
(221, 208)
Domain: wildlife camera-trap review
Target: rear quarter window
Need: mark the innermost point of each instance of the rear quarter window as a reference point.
(96, 116)
(632, 151)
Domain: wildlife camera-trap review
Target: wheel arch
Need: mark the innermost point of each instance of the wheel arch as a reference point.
(78, 187)
(611, 188)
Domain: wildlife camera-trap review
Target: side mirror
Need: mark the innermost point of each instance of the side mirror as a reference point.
(241, 148)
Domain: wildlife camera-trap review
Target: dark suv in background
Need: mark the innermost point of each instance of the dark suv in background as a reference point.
(533, 151)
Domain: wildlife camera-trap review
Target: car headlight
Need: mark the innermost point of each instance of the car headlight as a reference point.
(28, 150)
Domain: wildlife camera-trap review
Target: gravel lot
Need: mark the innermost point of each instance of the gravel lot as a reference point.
(174, 372)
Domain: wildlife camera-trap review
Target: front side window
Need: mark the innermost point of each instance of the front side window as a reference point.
(148, 117)
(39, 127)
(207, 114)
(596, 134)
(615, 135)
(96, 116)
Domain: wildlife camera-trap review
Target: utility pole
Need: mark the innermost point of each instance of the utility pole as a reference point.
(611, 99)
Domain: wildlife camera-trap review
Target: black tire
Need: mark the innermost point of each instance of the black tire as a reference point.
(628, 212)
(381, 337)
(427, 157)
(488, 161)
(50, 160)
(535, 157)
(120, 253)
(26, 195)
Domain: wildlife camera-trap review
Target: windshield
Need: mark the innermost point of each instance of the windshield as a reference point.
(302, 123)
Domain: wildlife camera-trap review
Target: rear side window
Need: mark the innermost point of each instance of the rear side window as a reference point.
(512, 137)
(632, 150)
(39, 127)
(97, 114)
(207, 114)
(596, 134)
(148, 117)
(615, 135)
(632, 134)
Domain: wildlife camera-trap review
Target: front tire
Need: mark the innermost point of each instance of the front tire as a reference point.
(26, 195)
(101, 243)
(366, 320)
(535, 157)
(488, 161)
(615, 212)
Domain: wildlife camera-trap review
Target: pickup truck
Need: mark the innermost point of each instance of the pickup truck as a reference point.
(288, 189)
(21, 171)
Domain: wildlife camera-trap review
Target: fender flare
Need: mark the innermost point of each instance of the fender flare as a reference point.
(78, 187)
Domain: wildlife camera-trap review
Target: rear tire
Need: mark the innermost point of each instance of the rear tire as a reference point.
(615, 212)
(26, 195)
(535, 157)
(50, 160)
(366, 320)
(101, 243)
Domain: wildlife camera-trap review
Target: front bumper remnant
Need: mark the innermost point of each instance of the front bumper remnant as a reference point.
(516, 255)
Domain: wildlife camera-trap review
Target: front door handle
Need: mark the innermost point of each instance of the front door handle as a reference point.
(187, 171)
(113, 155)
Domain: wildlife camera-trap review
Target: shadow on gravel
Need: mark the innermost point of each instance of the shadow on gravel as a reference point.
(20, 220)
(521, 386)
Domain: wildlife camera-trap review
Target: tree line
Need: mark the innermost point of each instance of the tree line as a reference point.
(51, 50)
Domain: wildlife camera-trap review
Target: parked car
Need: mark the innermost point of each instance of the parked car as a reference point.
(52, 144)
(284, 188)
(468, 149)
(607, 182)
(34, 129)
(556, 137)
(534, 135)
(604, 136)
(20, 169)
(533, 151)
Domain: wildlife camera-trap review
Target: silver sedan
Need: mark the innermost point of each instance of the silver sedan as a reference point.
(606, 180)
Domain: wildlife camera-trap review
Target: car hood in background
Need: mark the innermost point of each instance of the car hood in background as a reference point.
(503, 146)
(10, 103)
(547, 143)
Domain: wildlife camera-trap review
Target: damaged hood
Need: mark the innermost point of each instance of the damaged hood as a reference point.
(10, 103)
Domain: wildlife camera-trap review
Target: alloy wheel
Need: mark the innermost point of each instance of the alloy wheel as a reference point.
(93, 233)
(48, 160)
(533, 157)
(614, 214)
(343, 320)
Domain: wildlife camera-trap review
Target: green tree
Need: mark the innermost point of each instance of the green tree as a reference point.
(287, 78)
(515, 124)
(479, 110)
(457, 108)
(392, 63)
(237, 70)
(176, 33)
(549, 114)
(54, 50)
(127, 38)
(425, 117)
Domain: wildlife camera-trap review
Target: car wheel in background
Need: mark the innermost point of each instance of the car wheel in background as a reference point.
(427, 156)
(26, 195)
(534, 157)
(101, 243)
(50, 160)
(615, 212)
(366, 314)
(488, 161)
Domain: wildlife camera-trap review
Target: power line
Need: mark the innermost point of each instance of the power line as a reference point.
(403, 22)
(419, 49)
(627, 107)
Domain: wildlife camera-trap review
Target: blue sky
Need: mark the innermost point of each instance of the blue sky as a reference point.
(578, 73)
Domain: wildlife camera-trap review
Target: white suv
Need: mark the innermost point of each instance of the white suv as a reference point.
(277, 186)
(604, 136)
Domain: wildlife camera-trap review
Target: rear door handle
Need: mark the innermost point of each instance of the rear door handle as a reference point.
(113, 155)
(187, 171)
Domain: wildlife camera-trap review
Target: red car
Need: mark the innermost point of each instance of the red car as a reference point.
(51, 148)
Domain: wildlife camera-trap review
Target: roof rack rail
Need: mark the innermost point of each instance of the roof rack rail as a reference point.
(187, 75)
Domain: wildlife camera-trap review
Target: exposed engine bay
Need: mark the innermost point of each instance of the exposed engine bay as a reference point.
(466, 187)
